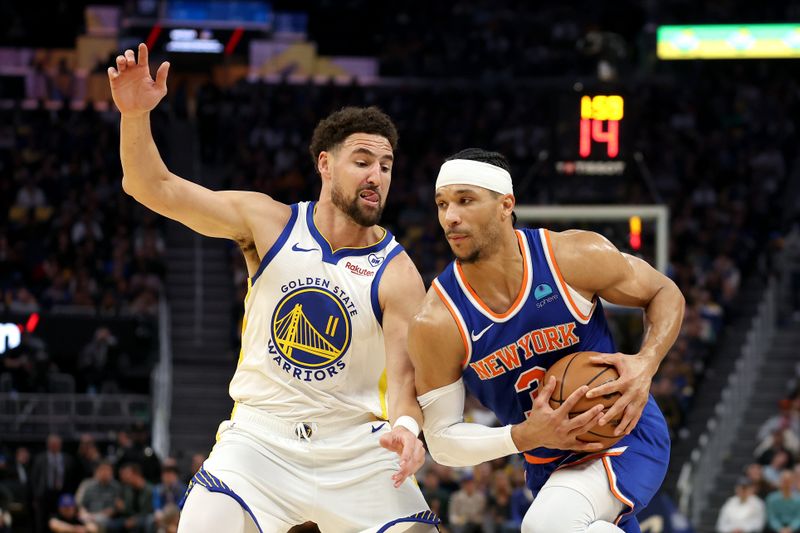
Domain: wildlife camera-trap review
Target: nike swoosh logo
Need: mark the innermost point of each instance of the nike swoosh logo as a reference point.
(376, 429)
(476, 337)
(297, 248)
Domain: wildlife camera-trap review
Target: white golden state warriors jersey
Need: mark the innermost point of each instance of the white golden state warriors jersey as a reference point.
(312, 342)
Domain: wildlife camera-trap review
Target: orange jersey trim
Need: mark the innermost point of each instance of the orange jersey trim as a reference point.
(561, 279)
(534, 460)
(517, 301)
(613, 486)
(461, 331)
(598, 455)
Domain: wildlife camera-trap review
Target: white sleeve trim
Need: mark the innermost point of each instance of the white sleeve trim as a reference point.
(453, 442)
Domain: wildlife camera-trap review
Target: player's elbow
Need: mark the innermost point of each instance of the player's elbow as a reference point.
(439, 451)
(127, 186)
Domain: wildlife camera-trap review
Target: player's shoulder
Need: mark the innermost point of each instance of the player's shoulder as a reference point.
(579, 246)
(432, 315)
(401, 281)
(260, 206)
(585, 258)
(582, 240)
(401, 271)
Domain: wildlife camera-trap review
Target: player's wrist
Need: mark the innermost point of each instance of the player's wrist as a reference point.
(135, 115)
(407, 422)
(521, 440)
(652, 361)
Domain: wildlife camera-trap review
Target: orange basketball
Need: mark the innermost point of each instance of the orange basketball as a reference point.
(572, 372)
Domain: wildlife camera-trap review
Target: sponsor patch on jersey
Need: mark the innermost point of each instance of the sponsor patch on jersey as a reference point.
(311, 331)
(355, 269)
(542, 291)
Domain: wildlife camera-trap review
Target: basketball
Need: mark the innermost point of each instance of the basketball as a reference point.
(572, 372)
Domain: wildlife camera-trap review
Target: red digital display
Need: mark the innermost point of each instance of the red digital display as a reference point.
(600, 122)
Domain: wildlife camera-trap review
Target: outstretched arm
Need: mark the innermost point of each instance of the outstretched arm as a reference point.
(593, 266)
(437, 351)
(400, 294)
(251, 219)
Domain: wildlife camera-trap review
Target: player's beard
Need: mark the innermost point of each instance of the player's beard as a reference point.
(485, 243)
(353, 209)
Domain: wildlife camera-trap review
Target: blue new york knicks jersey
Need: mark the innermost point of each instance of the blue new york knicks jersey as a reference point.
(508, 354)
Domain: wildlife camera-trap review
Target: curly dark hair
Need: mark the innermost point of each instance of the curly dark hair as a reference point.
(334, 129)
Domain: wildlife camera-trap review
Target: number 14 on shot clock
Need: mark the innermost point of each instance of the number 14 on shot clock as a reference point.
(600, 121)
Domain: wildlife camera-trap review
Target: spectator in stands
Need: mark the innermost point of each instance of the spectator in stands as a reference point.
(53, 474)
(18, 363)
(88, 456)
(499, 504)
(744, 512)
(776, 445)
(133, 446)
(135, 507)
(169, 492)
(782, 438)
(787, 422)
(437, 497)
(783, 507)
(17, 481)
(168, 522)
(98, 359)
(755, 473)
(467, 507)
(663, 390)
(521, 496)
(197, 462)
(66, 519)
(30, 196)
(97, 496)
(147, 458)
(773, 471)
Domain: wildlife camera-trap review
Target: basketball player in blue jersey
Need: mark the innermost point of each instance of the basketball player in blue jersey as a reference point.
(511, 304)
(325, 419)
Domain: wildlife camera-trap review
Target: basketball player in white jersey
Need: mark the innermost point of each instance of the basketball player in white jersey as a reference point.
(325, 420)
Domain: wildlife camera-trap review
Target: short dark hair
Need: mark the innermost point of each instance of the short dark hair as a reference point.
(338, 126)
(485, 156)
(136, 468)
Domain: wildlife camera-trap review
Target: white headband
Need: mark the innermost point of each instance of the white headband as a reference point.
(469, 172)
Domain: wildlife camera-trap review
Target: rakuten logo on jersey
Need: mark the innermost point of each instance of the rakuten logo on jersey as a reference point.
(355, 269)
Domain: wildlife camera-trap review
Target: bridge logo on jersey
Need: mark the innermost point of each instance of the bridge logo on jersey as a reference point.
(536, 342)
(311, 331)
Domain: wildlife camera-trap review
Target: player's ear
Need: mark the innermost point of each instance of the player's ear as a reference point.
(324, 164)
(507, 203)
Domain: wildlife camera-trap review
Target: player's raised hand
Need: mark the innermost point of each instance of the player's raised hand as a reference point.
(633, 383)
(553, 428)
(410, 449)
(133, 89)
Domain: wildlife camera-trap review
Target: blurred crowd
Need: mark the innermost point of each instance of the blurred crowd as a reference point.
(110, 486)
(69, 238)
(720, 156)
(768, 493)
(718, 143)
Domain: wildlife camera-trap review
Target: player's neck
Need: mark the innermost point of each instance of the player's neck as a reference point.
(498, 277)
(342, 231)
